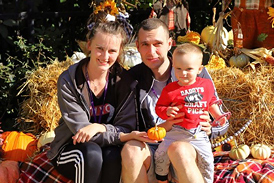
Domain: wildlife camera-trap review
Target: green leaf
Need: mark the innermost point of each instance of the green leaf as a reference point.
(3, 31)
(9, 22)
(62, 1)
(262, 37)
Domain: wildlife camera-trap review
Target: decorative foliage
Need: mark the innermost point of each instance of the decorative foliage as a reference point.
(262, 37)
(223, 144)
(271, 15)
(193, 37)
(215, 62)
(108, 6)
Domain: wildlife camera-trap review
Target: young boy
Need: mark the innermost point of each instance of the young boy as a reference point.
(196, 95)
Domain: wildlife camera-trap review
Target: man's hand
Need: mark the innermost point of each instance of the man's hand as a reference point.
(136, 135)
(206, 126)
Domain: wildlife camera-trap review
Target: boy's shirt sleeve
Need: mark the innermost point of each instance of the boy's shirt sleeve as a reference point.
(162, 104)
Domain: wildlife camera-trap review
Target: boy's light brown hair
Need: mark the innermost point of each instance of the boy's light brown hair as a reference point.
(188, 48)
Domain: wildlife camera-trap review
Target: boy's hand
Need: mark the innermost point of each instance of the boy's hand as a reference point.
(172, 111)
(177, 118)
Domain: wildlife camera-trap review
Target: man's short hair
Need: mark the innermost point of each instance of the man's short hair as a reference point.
(151, 24)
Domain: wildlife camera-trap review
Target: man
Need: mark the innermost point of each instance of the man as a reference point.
(153, 74)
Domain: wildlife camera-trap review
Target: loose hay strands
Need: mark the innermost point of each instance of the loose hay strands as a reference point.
(248, 94)
(41, 105)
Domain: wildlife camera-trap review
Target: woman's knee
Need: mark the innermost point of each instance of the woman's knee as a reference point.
(111, 154)
(92, 153)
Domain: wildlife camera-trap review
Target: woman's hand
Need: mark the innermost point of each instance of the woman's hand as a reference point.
(87, 132)
(206, 126)
(136, 135)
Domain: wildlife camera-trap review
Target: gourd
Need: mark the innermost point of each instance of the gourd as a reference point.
(18, 146)
(240, 152)
(208, 34)
(193, 37)
(156, 133)
(260, 151)
(239, 61)
(45, 138)
(9, 171)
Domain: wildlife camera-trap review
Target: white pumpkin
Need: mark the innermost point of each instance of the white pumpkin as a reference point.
(131, 57)
(208, 35)
(260, 151)
(240, 152)
(239, 61)
(45, 138)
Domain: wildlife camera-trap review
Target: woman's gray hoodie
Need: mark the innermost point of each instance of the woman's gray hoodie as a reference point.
(74, 105)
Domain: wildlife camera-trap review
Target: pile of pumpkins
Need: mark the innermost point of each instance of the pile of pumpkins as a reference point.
(18, 147)
(207, 37)
(258, 151)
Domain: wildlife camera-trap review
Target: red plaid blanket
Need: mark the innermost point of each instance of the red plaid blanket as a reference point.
(251, 170)
(40, 169)
(246, 171)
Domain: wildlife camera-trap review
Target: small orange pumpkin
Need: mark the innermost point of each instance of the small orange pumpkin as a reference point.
(18, 146)
(156, 133)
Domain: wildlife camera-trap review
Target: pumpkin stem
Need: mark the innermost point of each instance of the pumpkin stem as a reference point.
(156, 127)
(235, 143)
(213, 17)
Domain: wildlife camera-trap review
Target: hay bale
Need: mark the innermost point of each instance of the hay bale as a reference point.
(248, 94)
(41, 105)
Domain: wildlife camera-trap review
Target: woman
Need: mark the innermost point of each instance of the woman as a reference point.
(96, 99)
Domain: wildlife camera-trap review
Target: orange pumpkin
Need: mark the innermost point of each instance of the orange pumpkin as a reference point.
(9, 171)
(156, 133)
(18, 146)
